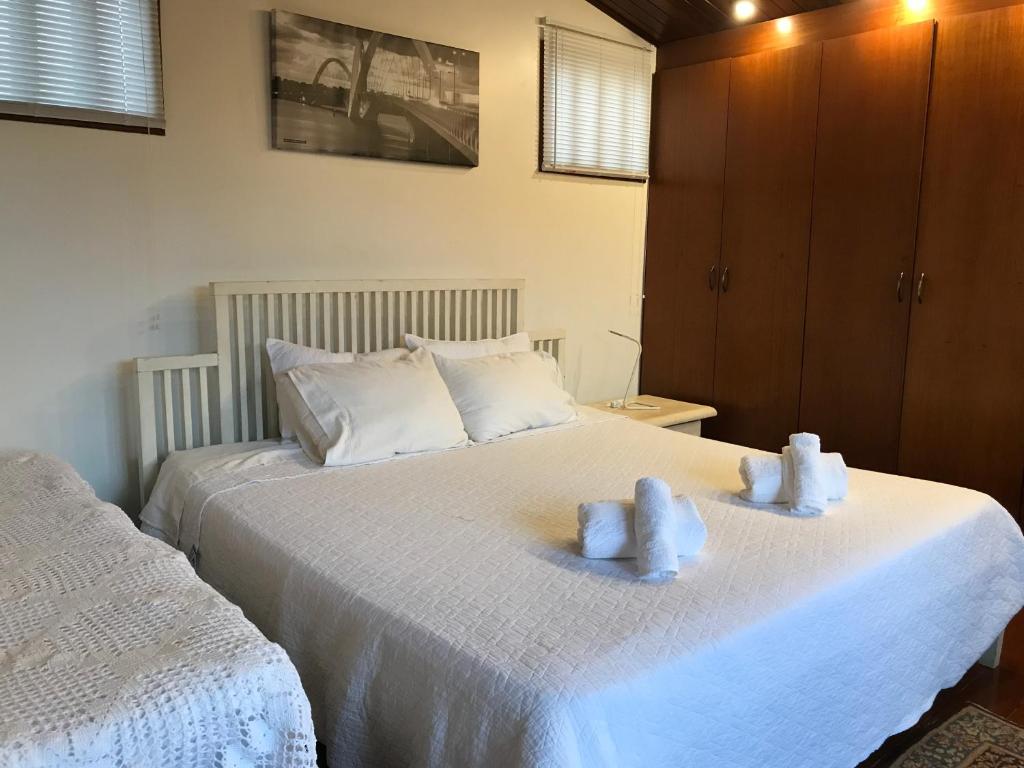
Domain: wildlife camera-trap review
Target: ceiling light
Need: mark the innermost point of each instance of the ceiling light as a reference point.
(785, 24)
(917, 5)
(744, 10)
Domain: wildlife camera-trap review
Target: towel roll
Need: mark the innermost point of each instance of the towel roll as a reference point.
(810, 496)
(762, 477)
(607, 528)
(657, 558)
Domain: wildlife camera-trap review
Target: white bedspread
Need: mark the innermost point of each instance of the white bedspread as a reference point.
(113, 652)
(439, 614)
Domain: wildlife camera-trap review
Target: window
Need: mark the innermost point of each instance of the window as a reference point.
(90, 62)
(597, 105)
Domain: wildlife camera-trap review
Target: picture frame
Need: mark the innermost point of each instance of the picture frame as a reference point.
(341, 89)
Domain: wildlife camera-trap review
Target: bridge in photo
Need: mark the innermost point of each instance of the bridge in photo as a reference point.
(385, 82)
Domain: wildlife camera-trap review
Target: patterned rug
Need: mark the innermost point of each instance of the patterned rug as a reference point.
(972, 738)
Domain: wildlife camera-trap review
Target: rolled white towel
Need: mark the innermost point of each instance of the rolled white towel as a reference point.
(810, 496)
(657, 558)
(762, 476)
(607, 528)
(788, 475)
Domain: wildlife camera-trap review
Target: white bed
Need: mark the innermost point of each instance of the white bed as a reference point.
(112, 652)
(439, 614)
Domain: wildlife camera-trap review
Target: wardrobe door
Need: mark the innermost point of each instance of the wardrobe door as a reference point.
(867, 176)
(773, 99)
(963, 410)
(684, 231)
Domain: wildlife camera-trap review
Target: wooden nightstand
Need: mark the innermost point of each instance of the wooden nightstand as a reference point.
(671, 414)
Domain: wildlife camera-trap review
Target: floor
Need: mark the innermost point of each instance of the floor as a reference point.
(999, 690)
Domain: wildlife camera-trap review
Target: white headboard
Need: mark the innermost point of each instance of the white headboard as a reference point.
(228, 396)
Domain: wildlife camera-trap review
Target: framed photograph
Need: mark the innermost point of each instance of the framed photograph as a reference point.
(351, 91)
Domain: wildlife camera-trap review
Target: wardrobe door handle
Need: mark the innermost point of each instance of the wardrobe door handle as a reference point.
(920, 289)
(725, 280)
(711, 277)
(899, 289)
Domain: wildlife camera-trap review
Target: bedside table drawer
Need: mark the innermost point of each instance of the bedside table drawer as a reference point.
(690, 428)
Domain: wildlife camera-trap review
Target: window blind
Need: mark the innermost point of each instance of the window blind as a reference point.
(597, 105)
(90, 61)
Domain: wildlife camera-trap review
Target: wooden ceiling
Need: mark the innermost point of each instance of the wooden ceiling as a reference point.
(662, 21)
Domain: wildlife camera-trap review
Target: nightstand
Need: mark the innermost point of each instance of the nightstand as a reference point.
(671, 414)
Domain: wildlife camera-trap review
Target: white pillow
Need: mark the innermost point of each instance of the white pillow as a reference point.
(395, 353)
(507, 393)
(464, 350)
(374, 408)
(287, 409)
(284, 355)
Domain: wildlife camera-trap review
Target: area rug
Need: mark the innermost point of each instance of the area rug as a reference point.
(972, 738)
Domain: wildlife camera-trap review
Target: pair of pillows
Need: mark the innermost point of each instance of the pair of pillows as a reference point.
(352, 408)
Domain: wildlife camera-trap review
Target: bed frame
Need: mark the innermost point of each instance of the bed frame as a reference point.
(228, 396)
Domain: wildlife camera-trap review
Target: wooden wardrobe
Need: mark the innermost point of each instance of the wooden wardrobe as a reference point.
(769, 170)
(836, 245)
(684, 229)
(963, 403)
(867, 179)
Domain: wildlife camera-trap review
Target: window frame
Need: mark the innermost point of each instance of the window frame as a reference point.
(85, 121)
(596, 174)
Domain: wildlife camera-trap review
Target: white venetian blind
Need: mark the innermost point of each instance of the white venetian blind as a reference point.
(96, 61)
(597, 105)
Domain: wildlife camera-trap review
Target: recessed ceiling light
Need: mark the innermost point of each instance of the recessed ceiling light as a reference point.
(785, 24)
(744, 10)
(917, 5)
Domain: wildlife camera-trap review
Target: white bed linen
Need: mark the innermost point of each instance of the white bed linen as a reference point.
(184, 470)
(113, 652)
(439, 614)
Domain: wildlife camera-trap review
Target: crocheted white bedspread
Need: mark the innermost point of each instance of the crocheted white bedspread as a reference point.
(113, 652)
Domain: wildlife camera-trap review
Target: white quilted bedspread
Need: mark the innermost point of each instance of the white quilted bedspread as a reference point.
(439, 614)
(113, 653)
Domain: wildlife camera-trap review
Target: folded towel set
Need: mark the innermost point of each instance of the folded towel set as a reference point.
(802, 477)
(657, 529)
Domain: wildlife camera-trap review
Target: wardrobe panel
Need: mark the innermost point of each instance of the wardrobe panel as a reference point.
(963, 412)
(766, 226)
(684, 231)
(872, 106)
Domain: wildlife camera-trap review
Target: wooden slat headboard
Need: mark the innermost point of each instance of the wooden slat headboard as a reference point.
(343, 316)
(229, 396)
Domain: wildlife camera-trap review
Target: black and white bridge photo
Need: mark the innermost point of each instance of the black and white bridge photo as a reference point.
(346, 90)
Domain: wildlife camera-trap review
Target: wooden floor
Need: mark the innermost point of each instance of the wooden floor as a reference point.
(999, 690)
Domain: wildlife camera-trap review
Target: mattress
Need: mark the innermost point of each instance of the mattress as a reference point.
(113, 652)
(439, 614)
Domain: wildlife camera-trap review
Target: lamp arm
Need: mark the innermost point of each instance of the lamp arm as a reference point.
(636, 364)
(632, 375)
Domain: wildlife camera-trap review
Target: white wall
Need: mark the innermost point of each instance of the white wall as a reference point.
(108, 240)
